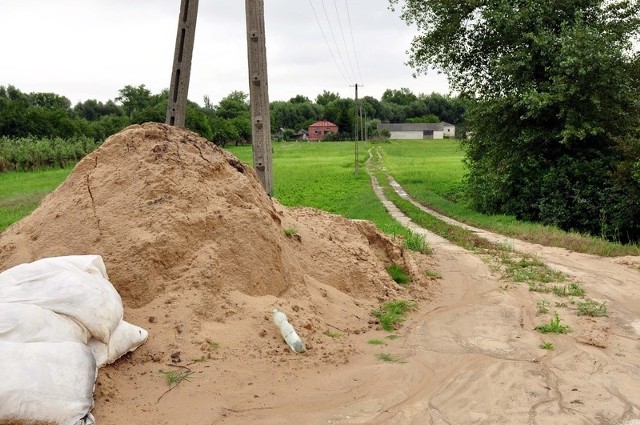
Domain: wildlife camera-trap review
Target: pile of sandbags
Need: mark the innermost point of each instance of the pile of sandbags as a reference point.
(60, 320)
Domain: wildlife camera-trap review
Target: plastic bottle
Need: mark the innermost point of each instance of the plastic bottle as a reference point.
(288, 333)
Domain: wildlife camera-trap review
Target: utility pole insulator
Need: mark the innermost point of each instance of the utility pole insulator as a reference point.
(259, 93)
(181, 72)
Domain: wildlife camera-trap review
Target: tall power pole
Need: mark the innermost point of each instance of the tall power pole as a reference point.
(356, 126)
(259, 93)
(181, 72)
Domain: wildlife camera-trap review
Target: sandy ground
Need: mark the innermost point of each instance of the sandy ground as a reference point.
(468, 355)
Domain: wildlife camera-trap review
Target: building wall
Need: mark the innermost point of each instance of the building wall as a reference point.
(318, 132)
(416, 135)
(450, 130)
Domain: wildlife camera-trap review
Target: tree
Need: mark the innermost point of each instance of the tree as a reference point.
(326, 97)
(134, 99)
(404, 96)
(233, 105)
(554, 89)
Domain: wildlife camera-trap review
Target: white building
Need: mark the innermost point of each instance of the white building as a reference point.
(419, 131)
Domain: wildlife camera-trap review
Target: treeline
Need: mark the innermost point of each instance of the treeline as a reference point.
(49, 115)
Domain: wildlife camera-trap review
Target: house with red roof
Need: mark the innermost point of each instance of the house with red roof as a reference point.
(319, 129)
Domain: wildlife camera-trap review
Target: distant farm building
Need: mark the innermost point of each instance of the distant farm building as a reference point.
(318, 130)
(419, 131)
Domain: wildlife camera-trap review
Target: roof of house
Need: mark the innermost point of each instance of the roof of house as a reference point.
(411, 127)
(323, 124)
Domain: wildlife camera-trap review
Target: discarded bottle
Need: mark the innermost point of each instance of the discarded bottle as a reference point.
(288, 333)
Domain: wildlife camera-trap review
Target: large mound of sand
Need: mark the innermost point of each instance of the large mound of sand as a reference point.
(199, 255)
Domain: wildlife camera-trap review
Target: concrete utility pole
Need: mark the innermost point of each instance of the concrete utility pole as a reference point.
(259, 93)
(179, 88)
(356, 126)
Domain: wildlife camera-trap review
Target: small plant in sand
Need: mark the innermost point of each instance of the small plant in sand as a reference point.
(376, 341)
(572, 289)
(432, 274)
(391, 313)
(213, 344)
(389, 358)
(543, 306)
(290, 231)
(392, 337)
(417, 242)
(398, 274)
(554, 326)
(174, 377)
(592, 308)
(546, 345)
(332, 334)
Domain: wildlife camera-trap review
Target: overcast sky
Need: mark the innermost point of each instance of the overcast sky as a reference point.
(89, 49)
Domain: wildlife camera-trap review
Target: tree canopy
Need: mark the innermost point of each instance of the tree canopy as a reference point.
(555, 90)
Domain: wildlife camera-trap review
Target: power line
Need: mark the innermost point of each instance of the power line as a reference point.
(353, 44)
(334, 36)
(346, 80)
(344, 41)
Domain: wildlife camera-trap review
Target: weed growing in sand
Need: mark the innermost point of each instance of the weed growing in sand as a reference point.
(392, 337)
(541, 288)
(174, 377)
(543, 306)
(332, 334)
(389, 358)
(392, 313)
(417, 242)
(592, 308)
(290, 231)
(573, 289)
(529, 269)
(554, 326)
(432, 274)
(213, 344)
(546, 345)
(376, 341)
(398, 274)
(560, 305)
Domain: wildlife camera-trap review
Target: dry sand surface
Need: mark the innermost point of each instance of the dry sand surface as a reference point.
(199, 254)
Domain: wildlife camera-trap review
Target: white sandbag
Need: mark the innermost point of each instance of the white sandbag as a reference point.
(51, 382)
(75, 286)
(125, 338)
(30, 323)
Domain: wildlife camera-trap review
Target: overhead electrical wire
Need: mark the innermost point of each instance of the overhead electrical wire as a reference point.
(334, 38)
(353, 44)
(348, 73)
(327, 43)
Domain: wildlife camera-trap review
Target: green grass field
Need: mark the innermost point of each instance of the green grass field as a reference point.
(321, 175)
(20, 192)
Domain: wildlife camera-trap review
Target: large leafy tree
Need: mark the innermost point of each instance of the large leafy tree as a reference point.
(556, 102)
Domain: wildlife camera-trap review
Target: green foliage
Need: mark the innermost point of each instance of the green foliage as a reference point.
(417, 242)
(398, 274)
(554, 326)
(546, 345)
(425, 118)
(572, 289)
(332, 334)
(174, 377)
(542, 306)
(392, 313)
(555, 92)
(290, 231)
(376, 341)
(29, 153)
(389, 358)
(592, 308)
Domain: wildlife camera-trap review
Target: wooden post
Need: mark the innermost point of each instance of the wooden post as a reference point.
(181, 72)
(259, 93)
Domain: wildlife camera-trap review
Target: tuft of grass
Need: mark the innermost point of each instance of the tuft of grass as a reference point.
(541, 288)
(432, 274)
(392, 336)
(392, 313)
(174, 377)
(546, 345)
(417, 242)
(389, 358)
(332, 334)
(572, 289)
(398, 274)
(592, 308)
(376, 341)
(290, 231)
(529, 269)
(554, 326)
(543, 306)
(213, 344)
